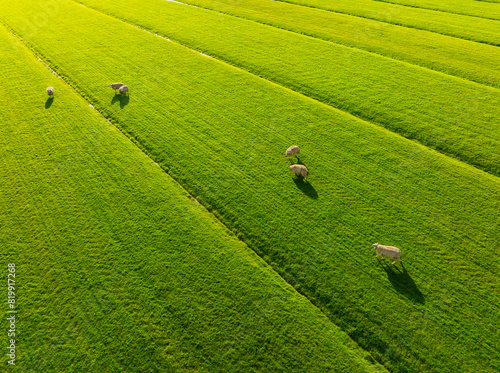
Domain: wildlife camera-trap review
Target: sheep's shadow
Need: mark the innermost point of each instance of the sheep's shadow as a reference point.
(402, 282)
(305, 187)
(123, 100)
(49, 102)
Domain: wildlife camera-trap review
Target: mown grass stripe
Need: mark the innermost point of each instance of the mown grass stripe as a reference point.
(117, 269)
(466, 27)
(222, 133)
(470, 60)
(474, 8)
(352, 80)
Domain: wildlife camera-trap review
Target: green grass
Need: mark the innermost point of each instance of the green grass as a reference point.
(461, 26)
(117, 268)
(222, 133)
(478, 8)
(463, 58)
(454, 116)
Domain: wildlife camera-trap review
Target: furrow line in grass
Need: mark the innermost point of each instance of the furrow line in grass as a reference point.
(474, 8)
(312, 94)
(200, 4)
(437, 9)
(412, 24)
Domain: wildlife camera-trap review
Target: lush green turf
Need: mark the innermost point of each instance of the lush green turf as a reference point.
(466, 27)
(117, 269)
(454, 116)
(478, 8)
(474, 61)
(222, 133)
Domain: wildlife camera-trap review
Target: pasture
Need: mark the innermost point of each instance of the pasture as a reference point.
(166, 222)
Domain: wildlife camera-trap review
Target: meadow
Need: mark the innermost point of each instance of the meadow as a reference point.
(118, 268)
(477, 29)
(451, 115)
(220, 130)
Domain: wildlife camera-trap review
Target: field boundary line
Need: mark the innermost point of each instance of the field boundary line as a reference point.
(366, 121)
(438, 10)
(331, 41)
(396, 24)
(233, 232)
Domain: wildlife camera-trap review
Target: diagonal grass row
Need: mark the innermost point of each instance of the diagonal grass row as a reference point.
(117, 269)
(466, 59)
(222, 132)
(456, 117)
(461, 26)
(479, 8)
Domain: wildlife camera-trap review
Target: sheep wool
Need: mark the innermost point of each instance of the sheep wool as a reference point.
(50, 91)
(293, 150)
(299, 169)
(390, 252)
(123, 89)
(116, 86)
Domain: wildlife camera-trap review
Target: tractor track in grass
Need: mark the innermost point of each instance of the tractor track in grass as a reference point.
(242, 67)
(331, 40)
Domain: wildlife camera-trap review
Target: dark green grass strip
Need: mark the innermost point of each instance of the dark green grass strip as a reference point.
(470, 60)
(222, 134)
(461, 26)
(484, 9)
(117, 269)
(454, 116)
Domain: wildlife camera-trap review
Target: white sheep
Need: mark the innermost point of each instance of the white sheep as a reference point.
(299, 169)
(293, 150)
(123, 89)
(116, 86)
(390, 252)
(50, 91)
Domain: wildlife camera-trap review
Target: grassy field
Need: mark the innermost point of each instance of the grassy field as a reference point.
(461, 26)
(451, 115)
(117, 268)
(478, 8)
(473, 61)
(221, 133)
(451, 55)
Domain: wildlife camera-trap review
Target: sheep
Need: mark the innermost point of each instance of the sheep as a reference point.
(116, 86)
(293, 150)
(50, 91)
(299, 169)
(390, 252)
(123, 89)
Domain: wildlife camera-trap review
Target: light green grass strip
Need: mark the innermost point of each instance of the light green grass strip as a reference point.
(456, 117)
(118, 270)
(479, 8)
(466, 27)
(223, 132)
(463, 58)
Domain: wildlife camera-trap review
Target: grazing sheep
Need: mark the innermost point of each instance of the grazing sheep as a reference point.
(390, 252)
(50, 91)
(116, 86)
(299, 169)
(123, 89)
(293, 150)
